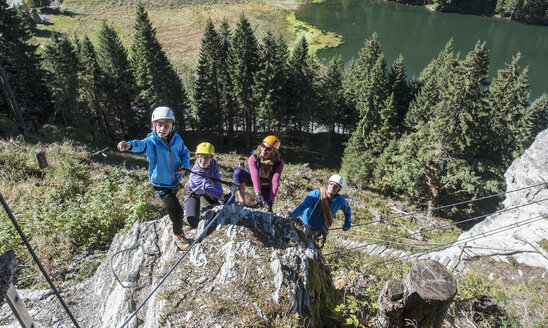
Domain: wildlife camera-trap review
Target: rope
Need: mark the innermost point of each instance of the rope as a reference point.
(31, 251)
(446, 206)
(206, 228)
(439, 227)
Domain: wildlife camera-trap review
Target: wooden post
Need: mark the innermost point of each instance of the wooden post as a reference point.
(421, 300)
(8, 292)
(18, 308)
(11, 98)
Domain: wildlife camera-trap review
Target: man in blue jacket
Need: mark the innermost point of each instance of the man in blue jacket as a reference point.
(321, 205)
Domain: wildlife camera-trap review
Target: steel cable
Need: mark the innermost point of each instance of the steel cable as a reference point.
(439, 227)
(445, 206)
(31, 251)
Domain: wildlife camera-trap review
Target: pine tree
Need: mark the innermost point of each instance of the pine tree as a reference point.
(349, 82)
(269, 83)
(208, 97)
(397, 80)
(118, 83)
(157, 82)
(301, 101)
(61, 63)
(227, 100)
(90, 89)
(432, 80)
(371, 84)
(243, 63)
(457, 116)
(22, 65)
(507, 101)
(534, 121)
(333, 102)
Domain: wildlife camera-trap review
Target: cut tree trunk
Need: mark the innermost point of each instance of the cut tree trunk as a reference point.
(421, 300)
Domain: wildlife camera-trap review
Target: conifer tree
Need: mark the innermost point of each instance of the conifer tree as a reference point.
(333, 103)
(507, 102)
(90, 89)
(22, 65)
(61, 63)
(227, 100)
(118, 83)
(157, 82)
(301, 102)
(457, 116)
(350, 117)
(371, 84)
(397, 80)
(243, 63)
(269, 83)
(208, 97)
(281, 60)
(432, 80)
(534, 121)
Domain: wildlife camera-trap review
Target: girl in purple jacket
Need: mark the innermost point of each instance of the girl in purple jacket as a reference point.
(199, 186)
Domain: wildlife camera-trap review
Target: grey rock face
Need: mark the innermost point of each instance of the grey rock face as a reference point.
(518, 232)
(251, 267)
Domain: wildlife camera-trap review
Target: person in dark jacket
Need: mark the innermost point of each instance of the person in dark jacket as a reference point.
(166, 153)
(265, 168)
(320, 207)
(198, 185)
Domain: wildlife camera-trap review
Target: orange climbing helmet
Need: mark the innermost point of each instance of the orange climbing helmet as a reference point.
(273, 141)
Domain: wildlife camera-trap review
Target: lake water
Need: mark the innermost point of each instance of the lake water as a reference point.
(420, 34)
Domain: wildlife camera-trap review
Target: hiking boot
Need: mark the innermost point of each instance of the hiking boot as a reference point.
(181, 241)
(186, 228)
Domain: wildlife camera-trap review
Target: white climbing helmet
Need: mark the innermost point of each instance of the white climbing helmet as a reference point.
(337, 179)
(161, 113)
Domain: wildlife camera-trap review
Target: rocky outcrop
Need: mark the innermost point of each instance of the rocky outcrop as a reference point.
(252, 268)
(515, 233)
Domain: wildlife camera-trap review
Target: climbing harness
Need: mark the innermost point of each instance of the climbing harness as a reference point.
(228, 183)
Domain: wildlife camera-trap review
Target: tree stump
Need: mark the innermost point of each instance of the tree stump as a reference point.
(41, 159)
(421, 300)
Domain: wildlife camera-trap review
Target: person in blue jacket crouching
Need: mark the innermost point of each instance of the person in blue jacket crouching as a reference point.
(320, 206)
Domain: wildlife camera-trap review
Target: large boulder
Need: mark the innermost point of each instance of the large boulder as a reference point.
(515, 233)
(252, 268)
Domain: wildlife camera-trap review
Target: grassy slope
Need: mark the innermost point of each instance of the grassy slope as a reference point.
(179, 25)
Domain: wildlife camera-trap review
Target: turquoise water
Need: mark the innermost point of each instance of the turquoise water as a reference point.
(420, 34)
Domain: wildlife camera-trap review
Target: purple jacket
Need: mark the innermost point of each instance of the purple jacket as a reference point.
(200, 185)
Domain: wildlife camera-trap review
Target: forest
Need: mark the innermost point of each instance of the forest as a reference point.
(446, 136)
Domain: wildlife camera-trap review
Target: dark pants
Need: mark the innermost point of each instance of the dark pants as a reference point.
(174, 209)
(192, 207)
(242, 176)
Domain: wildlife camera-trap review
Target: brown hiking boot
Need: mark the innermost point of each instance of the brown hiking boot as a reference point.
(186, 228)
(181, 241)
